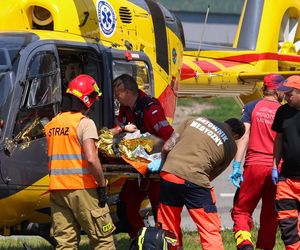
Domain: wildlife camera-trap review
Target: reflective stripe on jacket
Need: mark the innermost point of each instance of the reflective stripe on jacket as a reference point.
(68, 169)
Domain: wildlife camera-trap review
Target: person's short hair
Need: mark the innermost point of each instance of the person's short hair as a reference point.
(237, 126)
(126, 82)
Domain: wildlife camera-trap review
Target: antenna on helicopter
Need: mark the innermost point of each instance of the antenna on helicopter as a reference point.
(202, 33)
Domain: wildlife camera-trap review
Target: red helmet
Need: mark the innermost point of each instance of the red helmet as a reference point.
(83, 86)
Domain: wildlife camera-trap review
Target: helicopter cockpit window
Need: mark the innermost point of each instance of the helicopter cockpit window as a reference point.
(41, 97)
(43, 81)
(74, 62)
(7, 80)
(10, 47)
(138, 70)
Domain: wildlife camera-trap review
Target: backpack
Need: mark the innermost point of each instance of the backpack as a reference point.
(153, 238)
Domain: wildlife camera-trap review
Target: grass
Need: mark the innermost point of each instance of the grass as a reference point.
(187, 102)
(221, 109)
(190, 242)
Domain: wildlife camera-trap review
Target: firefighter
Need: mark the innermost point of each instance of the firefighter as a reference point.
(147, 114)
(286, 147)
(258, 140)
(200, 150)
(77, 184)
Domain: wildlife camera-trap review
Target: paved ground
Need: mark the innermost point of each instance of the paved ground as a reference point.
(224, 194)
(223, 188)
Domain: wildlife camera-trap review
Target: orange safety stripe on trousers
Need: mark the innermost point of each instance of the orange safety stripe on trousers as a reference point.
(171, 178)
(209, 228)
(208, 225)
(170, 217)
(213, 195)
(286, 214)
(285, 189)
(295, 246)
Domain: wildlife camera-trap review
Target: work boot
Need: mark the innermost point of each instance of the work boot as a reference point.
(243, 240)
(246, 247)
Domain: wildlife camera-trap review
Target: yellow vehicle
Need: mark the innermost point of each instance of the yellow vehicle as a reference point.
(267, 41)
(43, 45)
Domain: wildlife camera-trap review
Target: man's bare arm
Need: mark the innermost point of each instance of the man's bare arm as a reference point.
(127, 128)
(242, 143)
(93, 161)
(170, 143)
(168, 146)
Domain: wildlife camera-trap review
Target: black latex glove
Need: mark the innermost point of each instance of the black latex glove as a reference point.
(102, 196)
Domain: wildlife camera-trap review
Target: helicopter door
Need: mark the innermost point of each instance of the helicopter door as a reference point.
(40, 100)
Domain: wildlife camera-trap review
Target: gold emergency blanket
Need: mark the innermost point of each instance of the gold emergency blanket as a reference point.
(126, 148)
(105, 142)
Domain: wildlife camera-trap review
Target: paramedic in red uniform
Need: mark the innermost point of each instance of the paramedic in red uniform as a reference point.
(200, 150)
(148, 116)
(286, 147)
(258, 140)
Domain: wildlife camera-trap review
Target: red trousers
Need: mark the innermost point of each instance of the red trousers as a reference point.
(287, 207)
(175, 193)
(257, 185)
(131, 198)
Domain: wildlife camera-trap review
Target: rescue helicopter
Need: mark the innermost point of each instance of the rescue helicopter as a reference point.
(43, 45)
(267, 41)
